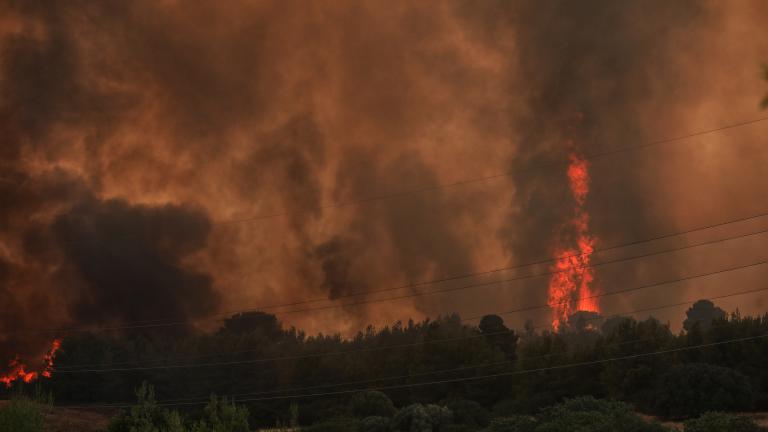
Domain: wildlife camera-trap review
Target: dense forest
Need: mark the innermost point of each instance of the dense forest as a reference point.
(466, 373)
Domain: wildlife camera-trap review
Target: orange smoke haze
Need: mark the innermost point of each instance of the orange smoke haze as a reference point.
(173, 160)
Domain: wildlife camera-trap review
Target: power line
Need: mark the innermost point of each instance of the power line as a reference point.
(284, 358)
(466, 379)
(374, 198)
(483, 365)
(459, 288)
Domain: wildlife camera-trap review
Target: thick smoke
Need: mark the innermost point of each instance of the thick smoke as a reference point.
(168, 159)
(127, 262)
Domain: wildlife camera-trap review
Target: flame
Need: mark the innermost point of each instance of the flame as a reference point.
(570, 287)
(18, 370)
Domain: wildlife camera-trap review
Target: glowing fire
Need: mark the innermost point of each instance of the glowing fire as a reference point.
(570, 287)
(18, 371)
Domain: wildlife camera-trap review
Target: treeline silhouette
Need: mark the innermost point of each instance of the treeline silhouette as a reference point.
(280, 373)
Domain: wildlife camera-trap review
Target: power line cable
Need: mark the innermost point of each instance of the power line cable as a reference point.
(482, 365)
(409, 295)
(284, 358)
(464, 379)
(415, 191)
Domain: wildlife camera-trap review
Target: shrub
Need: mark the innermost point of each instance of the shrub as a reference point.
(587, 414)
(334, 425)
(372, 403)
(422, 418)
(375, 424)
(222, 416)
(512, 424)
(21, 415)
(146, 415)
(691, 389)
(470, 413)
(718, 422)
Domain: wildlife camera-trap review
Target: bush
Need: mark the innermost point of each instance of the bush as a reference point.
(372, 403)
(692, 389)
(470, 413)
(718, 422)
(422, 418)
(512, 424)
(146, 416)
(375, 424)
(21, 415)
(222, 416)
(587, 414)
(335, 425)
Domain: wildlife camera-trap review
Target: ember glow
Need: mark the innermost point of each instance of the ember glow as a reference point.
(571, 285)
(18, 370)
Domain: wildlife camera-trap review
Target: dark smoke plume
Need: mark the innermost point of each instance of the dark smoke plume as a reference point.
(170, 159)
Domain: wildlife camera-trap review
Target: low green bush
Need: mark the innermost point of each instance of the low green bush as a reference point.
(692, 389)
(221, 415)
(146, 415)
(371, 403)
(587, 414)
(469, 413)
(512, 424)
(422, 418)
(720, 422)
(334, 425)
(375, 424)
(21, 415)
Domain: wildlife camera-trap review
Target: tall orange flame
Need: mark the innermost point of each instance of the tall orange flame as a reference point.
(18, 370)
(570, 287)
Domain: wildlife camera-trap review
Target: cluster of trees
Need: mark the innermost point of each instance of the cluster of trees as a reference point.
(373, 411)
(270, 369)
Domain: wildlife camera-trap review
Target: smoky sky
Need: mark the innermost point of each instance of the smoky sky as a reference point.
(173, 160)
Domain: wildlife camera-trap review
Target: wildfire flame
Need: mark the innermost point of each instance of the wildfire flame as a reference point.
(18, 371)
(570, 287)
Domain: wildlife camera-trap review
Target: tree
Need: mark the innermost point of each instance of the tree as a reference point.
(703, 312)
(581, 321)
(262, 323)
(146, 415)
(221, 415)
(691, 389)
(498, 335)
(371, 403)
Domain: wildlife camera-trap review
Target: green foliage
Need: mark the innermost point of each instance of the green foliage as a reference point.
(587, 414)
(21, 415)
(692, 389)
(146, 415)
(422, 418)
(257, 338)
(512, 424)
(339, 424)
(372, 403)
(222, 416)
(470, 413)
(719, 422)
(375, 424)
(703, 313)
